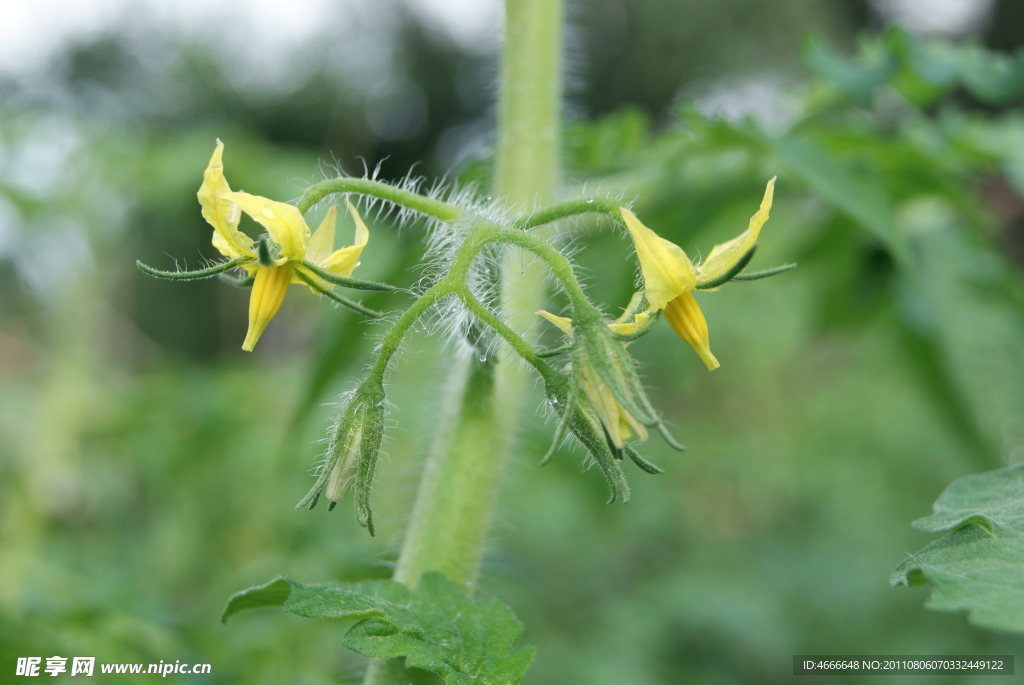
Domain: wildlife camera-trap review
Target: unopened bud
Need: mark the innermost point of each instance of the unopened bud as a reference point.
(352, 453)
(613, 365)
(347, 462)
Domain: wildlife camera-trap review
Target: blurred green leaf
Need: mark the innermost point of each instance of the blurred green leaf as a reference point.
(856, 191)
(967, 300)
(978, 566)
(856, 77)
(990, 76)
(610, 144)
(436, 628)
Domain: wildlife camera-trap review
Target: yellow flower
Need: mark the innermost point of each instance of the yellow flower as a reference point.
(619, 423)
(670, 278)
(287, 228)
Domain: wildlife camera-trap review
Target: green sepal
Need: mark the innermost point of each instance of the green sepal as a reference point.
(566, 405)
(641, 461)
(669, 438)
(375, 409)
(731, 273)
(266, 255)
(343, 301)
(588, 430)
(243, 283)
(344, 282)
(757, 275)
(191, 275)
(555, 351)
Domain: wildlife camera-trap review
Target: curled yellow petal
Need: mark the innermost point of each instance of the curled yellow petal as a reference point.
(283, 222)
(562, 322)
(626, 328)
(622, 325)
(665, 267)
(723, 257)
(268, 292)
(220, 212)
(686, 319)
(342, 262)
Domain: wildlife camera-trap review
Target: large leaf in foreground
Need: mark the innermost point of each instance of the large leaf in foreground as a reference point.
(979, 565)
(436, 628)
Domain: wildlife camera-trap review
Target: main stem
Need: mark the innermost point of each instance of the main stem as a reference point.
(460, 485)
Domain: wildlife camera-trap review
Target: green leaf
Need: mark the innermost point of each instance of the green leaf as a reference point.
(979, 565)
(436, 628)
(320, 601)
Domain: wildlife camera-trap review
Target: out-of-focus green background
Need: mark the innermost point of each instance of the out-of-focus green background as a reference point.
(149, 467)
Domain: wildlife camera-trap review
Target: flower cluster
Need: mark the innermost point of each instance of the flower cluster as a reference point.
(597, 396)
(669, 281)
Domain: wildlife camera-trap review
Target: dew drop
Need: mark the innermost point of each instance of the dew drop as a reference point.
(590, 200)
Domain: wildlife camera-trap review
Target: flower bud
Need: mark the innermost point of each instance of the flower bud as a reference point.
(347, 462)
(352, 453)
(614, 369)
(587, 428)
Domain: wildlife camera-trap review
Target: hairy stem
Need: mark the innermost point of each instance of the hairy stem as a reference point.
(514, 341)
(461, 480)
(393, 339)
(562, 210)
(399, 196)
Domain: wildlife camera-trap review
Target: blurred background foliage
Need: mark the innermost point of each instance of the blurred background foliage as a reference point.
(148, 467)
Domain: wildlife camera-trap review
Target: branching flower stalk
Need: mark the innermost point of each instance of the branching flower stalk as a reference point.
(616, 404)
(490, 264)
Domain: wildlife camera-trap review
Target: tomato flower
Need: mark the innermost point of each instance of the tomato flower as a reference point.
(284, 258)
(670, 278)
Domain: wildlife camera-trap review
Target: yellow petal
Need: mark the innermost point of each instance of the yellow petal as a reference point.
(686, 319)
(342, 262)
(617, 421)
(219, 212)
(624, 327)
(322, 242)
(665, 267)
(268, 293)
(283, 222)
(319, 248)
(562, 322)
(631, 327)
(634, 304)
(723, 257)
